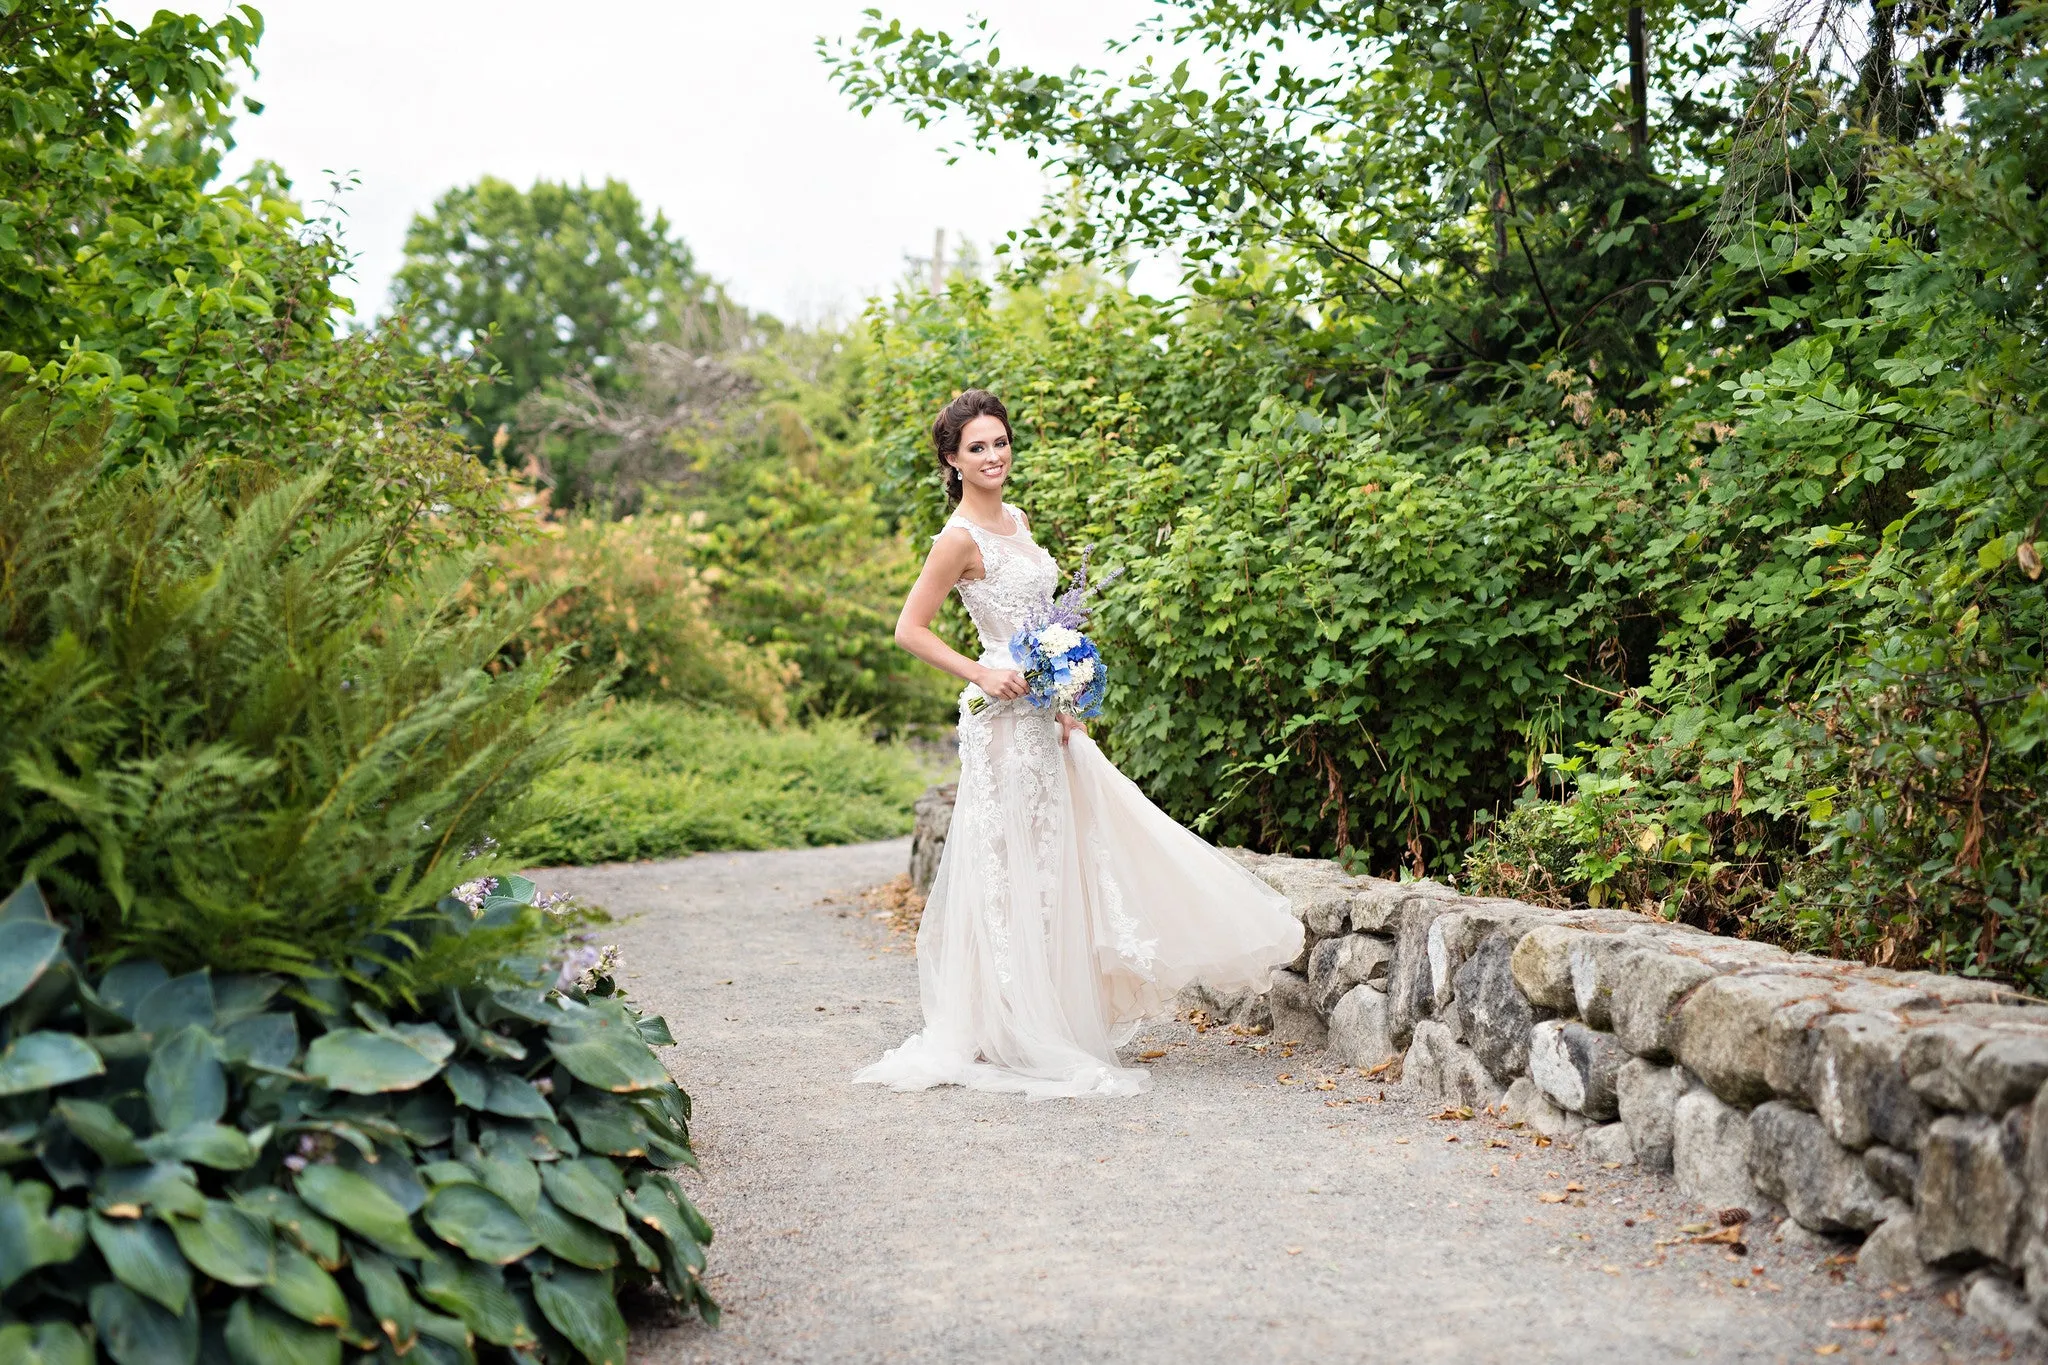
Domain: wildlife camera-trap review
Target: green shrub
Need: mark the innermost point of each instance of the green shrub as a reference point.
(656, 781)
(203, 1167)
(236, 734)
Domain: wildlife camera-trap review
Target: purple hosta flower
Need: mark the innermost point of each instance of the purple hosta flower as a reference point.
(583, 963)
(554, 902)
(544, 1084)
(474, 894)
(295, 1162)
(478, 849)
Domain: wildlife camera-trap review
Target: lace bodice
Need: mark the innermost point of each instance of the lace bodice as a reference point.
(1017, 575)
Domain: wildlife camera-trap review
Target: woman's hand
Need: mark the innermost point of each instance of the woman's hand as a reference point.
(1068, 726)
(1001, 684)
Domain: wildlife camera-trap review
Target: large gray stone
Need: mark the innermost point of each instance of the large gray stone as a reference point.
(1358, 1027)
(1820, 1182)
(1999, 1304)
(1646, 1095)
(1858, 1083)
(1890, 1256)
(1710, 1154)
(1455, 936)
(1608, 1142)
(1650, 985)
(1446, 1071)
(1594, 959)
(1497, 1018)
(1982, 1068)
(1534, 1110)
(1240, 1007)
(1576, 1066)
(931, 821)
(1411, 995)
(2034, 1266)
(1724, 1026)
(1792, 1048)
(1972, 1189)
(1319, 892)
(1543, 967)
(1338, 964)
(1895, 1172)
(1295, 1017)
(1376, 905)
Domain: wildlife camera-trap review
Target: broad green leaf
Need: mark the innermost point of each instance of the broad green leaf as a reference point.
(286, 1212)
(447, 1341)
(99, 1128)
(25, 903)
(651, 1205)
(366, 1063)
(485, 1226)
(32, 1234)
(169, 1187)
(142, 1254)
(571, 1239)
(181, 1002)
(44, 1343)
(392, 1172)
(385, 1292)
(654, 1031)
(606, 1051)
(27, 948)
(359, 1206)
(126, 984)
(232, 1246)
(534, 1139)
(266, 1040)
(134, 1330)
(204, 1144)
(476, 1294)
(582, 1307)
(468, 1084)
(185, 1082)
(513, 1179)
(516, 1098)
(258, 1334)
(578, 1188)
(301, 1288)
(242, 995)
(44, 1061)
(429, 1040)
(611, 1126)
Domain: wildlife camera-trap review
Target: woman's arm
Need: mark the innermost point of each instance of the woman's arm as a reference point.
(952, 555)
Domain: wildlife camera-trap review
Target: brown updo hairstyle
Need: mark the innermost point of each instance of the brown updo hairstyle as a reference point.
(946, 428)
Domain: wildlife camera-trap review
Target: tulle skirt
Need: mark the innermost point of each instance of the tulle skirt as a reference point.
(1067, 911)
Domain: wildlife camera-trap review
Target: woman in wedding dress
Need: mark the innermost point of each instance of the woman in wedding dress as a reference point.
(1067, 909)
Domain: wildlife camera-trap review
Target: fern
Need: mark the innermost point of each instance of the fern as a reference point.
(234, 732)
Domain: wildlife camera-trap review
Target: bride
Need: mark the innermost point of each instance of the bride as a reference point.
(1067, 908)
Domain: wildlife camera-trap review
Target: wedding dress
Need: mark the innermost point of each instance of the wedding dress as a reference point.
(1067, 909)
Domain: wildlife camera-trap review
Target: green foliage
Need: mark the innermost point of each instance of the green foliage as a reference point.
(1744, 560)
(223, 1167)
(238, 736)
(657, 781)
(543, 283)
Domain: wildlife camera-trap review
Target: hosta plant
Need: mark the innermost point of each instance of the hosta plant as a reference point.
(240, 1168)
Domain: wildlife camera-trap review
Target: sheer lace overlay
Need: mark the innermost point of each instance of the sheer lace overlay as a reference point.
(1067, 909)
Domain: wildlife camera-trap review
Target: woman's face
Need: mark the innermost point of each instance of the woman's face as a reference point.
(984, 458)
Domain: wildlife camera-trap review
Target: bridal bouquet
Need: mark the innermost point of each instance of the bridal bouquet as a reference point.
(1062, 668)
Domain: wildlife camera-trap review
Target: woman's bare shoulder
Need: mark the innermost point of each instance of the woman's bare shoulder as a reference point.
(955, 552)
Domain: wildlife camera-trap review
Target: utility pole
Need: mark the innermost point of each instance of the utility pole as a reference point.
(938, 260)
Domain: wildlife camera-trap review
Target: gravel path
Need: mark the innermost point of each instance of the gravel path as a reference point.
(1225, 1215)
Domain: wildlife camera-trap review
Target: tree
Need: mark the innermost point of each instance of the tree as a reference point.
(545, 283)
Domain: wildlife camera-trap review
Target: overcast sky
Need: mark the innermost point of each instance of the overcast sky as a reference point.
(720, 114)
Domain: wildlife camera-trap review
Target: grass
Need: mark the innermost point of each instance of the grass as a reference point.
(661, 780)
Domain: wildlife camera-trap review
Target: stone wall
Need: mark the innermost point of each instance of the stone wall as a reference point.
(1903, 1110)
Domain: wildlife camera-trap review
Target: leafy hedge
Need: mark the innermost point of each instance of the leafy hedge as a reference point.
(1680, 458)
(237, 1168)
(659, 781)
